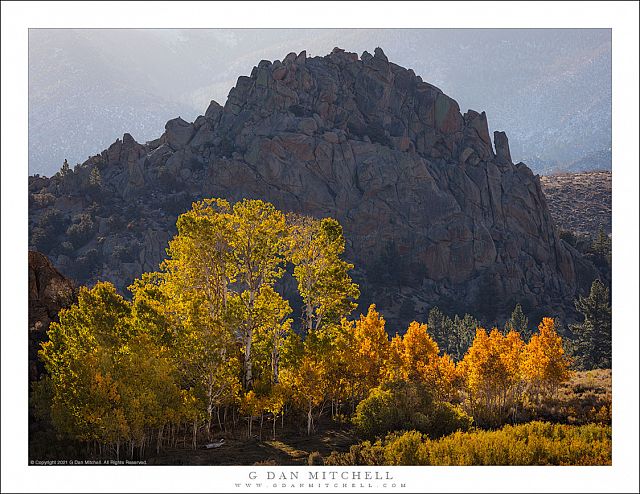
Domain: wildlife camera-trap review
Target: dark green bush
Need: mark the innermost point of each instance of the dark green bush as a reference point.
(400, 405)
(66, 247)
(52, 219)
(126, 253)
(447, 418)
(85, 266)
(81, 230)
(43, 239)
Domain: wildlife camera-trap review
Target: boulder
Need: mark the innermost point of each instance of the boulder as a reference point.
(178, 133)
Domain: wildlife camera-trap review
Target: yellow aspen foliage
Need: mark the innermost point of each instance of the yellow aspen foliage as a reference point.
(275, 403)
(410, 352)
(341, 363)
(111, 380)
(369, 351)
(545, 365)
(199, 256)
(211, 332)
(418, 348)
(415, 357)
(314, 247)
(307, 385)
(251, 406)
(491, 374)
(394, 370)
(441, 375)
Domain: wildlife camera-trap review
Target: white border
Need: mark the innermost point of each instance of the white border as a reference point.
(17, 17)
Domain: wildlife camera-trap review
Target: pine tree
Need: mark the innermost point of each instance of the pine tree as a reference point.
(437, 329)
(601, 247)
(593, 335)
(518, 323)
(453, 336)
(65, 169)
(464, 330)
(95, 180)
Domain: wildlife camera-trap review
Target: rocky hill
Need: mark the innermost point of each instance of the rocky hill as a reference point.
(89, 86)
(434, 213)
(579, 202)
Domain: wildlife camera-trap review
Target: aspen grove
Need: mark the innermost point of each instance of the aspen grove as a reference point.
(208, 345)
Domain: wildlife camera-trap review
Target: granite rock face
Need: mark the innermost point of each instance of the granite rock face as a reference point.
(49, 292)
(432, 214)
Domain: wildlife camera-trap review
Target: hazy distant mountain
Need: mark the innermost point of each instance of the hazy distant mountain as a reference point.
(549, 89)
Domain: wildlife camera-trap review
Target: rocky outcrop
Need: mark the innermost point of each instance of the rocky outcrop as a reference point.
(433, 215)
(49, 292)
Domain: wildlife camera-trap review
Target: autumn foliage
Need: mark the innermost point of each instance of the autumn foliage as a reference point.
(534, 443)
(208, 344)
(500, 371)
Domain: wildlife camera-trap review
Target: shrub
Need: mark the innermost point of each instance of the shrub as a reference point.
(534, 443)
(44, 240)
(569, 237)
(447, 418)
(316, 459)
(363, 453)
(126, 253)
(405, 449)
(81, 230)
(269, 462)
(52, 219)
(85, 266)
(585, 398)
(377, 414)
(43, 199)
(66, 247)
(115, 222)
(399, 405)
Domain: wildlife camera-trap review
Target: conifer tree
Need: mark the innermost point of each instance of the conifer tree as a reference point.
(65, 169)
(593, 336)
(601, 246)
(95, 180)
(519, 323)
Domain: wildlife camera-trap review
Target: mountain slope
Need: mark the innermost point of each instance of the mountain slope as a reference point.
(432, 214)
(579, 202)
